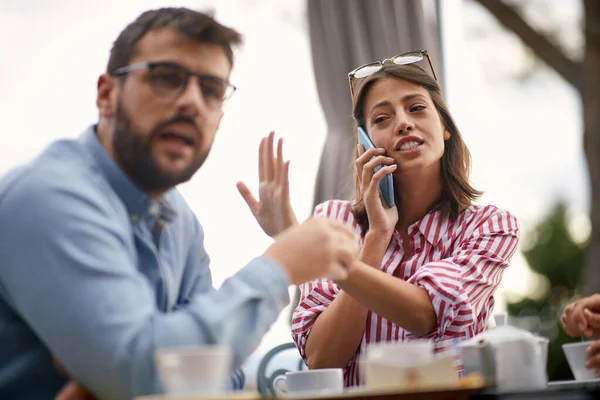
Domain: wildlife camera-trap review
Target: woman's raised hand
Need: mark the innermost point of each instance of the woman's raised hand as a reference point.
(382, 220)
(273, 209)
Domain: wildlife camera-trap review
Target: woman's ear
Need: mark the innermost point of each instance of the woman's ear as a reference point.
(446, 134)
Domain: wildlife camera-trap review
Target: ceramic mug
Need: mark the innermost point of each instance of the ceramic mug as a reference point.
(193, 370)
(316, 381)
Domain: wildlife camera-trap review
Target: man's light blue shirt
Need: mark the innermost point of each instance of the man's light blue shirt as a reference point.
(96, 273)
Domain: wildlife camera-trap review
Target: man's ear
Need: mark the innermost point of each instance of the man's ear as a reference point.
(446, 134)
(107, 95)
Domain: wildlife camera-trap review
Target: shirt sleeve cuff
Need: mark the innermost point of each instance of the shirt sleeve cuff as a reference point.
(445, 299)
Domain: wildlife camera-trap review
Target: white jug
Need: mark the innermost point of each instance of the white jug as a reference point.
(508, 357)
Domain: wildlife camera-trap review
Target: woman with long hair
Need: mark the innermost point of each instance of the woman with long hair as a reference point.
(431, 262)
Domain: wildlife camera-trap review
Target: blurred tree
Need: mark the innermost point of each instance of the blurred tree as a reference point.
(582, 71)
(553, 254)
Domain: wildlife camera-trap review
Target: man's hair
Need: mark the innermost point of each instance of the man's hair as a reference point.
(457, 192)
(191, 24)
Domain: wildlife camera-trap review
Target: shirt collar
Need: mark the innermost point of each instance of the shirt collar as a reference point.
(433, 226)
(137, 202)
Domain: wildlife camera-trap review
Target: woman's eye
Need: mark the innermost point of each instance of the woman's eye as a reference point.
(378, 120)
(416, 108)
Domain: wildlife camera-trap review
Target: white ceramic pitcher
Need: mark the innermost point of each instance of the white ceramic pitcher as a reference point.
(509, 357)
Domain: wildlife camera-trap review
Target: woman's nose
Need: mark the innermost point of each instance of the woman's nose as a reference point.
(404, 126)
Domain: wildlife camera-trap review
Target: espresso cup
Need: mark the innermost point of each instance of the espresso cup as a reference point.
(194, 370)
(316, 381)
(576, 357)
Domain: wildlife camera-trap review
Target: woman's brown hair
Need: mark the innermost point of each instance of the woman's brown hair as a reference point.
(457, 193)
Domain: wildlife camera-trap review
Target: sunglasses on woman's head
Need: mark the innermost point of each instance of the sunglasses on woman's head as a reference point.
(401, 59)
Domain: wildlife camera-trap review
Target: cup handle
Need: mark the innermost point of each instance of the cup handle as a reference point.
(280, 386)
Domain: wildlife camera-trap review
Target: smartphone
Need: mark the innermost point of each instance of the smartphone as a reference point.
(386, 185)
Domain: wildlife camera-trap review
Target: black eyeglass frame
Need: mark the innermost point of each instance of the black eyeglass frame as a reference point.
(148, 65)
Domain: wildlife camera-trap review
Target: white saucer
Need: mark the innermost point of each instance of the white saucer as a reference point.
(309, 394)
(594, 383)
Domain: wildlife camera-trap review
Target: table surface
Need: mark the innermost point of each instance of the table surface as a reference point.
(455, 394)
(461, 393)
(556, 390)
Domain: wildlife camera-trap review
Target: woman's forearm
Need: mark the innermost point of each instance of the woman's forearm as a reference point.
(336, 334)
(338, 331)
(394, 299)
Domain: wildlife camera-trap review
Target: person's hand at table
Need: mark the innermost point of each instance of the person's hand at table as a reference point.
(582, 317)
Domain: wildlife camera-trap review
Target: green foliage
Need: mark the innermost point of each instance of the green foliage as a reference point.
(555, 256)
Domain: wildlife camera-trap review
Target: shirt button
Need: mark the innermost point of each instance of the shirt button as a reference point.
(418, 250)
(134, 218)
(154, 209)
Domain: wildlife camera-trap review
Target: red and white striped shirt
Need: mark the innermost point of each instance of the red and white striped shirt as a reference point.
(460, 264)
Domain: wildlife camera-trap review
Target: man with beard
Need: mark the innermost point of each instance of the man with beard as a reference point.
(103, 261)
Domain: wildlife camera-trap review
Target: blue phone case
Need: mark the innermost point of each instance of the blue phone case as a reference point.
(386, 185)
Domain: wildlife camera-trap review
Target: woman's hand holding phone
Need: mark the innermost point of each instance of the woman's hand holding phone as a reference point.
(273, 211)
(382, 220)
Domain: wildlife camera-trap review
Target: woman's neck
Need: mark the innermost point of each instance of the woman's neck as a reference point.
(417, 193)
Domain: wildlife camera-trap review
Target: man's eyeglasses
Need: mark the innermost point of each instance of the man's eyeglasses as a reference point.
(401, 59)
(169, 80)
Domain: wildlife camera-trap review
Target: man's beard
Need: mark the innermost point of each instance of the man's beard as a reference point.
(133, 153)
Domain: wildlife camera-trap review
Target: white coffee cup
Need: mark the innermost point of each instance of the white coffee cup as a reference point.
(193, 370)
(312, 382)
(576, 357)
